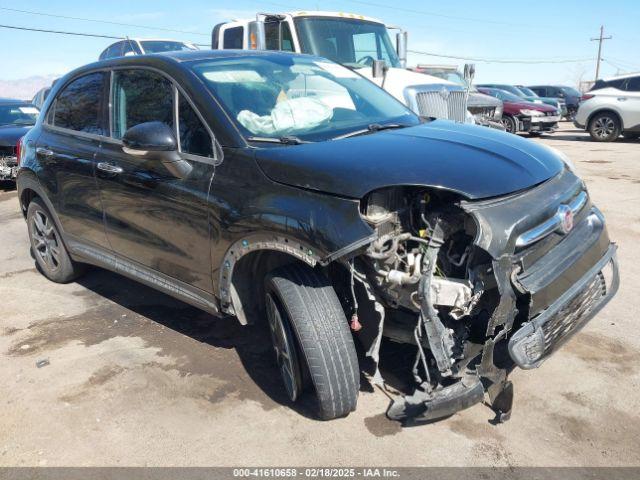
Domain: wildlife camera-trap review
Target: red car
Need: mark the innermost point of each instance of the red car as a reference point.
(523, 116)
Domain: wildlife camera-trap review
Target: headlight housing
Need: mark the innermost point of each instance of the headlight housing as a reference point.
(531, 113)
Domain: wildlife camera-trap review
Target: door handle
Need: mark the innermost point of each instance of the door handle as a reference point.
(109, 168)
(622, 99)
(45, 152)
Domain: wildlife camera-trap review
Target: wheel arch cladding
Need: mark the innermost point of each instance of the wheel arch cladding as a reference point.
(246, 265)
(310, 227)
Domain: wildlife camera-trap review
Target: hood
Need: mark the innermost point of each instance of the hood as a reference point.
(541, 107)
(476, 162)
(10, 134)
(477, 99)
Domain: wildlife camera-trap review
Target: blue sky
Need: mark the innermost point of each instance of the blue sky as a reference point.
(490, 29)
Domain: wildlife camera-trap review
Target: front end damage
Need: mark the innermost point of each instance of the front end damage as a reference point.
(8, 163)
(453, 294)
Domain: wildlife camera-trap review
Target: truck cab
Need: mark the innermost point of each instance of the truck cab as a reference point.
(355, 41)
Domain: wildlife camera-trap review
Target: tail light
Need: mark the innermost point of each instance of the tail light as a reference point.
(586, 97)
(19, 149)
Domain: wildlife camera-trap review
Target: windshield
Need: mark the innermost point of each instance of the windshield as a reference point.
(571, 91)
(451, 75)
(527, 91)
(18, 114)
(502, 95)
(351, 42)
(309, 98)
(159, 46)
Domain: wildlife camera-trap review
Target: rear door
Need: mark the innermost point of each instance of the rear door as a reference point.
(75, 124)
(154, 219)
(630, 108)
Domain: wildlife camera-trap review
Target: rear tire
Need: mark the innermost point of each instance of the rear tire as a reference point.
(307, 321)
(605, 127)
(47, 247)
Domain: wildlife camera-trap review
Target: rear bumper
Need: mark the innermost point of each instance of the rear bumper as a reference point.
(537, 339)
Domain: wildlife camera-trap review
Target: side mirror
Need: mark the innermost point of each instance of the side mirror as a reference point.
(401, 47)
(156, 141)
(257, 35)
(469, 72)
(378, 68)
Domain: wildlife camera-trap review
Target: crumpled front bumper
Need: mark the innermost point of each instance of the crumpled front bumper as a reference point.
(567, 287)
(537, 339)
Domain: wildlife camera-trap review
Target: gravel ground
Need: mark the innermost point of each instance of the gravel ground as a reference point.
(137, 378)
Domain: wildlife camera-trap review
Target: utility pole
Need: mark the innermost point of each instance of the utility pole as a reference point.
(600, 39)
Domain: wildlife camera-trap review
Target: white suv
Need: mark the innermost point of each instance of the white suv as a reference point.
(611, 108)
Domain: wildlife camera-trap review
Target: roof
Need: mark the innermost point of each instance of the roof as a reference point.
(10, 101)
(618, 77)
(177, 57)
(322, 13)
(194, 55)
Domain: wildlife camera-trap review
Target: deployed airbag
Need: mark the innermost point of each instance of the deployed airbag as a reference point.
(288, 115)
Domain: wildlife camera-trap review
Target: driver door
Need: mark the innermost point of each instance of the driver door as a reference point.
(152, 218)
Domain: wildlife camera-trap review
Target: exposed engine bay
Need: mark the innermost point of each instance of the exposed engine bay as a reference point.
(433, 292)
(8, 163)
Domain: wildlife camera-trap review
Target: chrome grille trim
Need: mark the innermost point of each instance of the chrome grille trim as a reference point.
(552, 224)
(438, 101)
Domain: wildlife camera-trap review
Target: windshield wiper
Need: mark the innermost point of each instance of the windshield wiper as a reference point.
(285, 140)
(374, 127)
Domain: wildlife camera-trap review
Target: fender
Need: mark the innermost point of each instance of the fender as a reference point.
(27, 180)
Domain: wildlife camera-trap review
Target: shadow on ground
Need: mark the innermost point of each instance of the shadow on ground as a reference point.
(212, 335)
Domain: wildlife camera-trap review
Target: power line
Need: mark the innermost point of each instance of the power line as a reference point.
(60, 32)
(442, 15)
(498, 60)
(95, 20)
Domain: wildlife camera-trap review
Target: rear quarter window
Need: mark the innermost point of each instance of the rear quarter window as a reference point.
(79, 106)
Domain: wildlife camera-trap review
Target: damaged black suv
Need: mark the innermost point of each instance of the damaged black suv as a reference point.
(290, 190)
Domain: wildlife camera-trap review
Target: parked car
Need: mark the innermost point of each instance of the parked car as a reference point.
(286, 189)
(41, 95)
(611, 108)
(558, 103)
(521, 116)
(16, 119)
(570, 95)
(143, 46)
(486, 110)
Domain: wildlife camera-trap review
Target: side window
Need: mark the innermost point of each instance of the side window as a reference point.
(194, 137)
(633, 84)
(273, 31)
(129, 48)
(79, 106)
(287, 39)
(233, 38)
(620, 84)
(114, 50)
(140, 96)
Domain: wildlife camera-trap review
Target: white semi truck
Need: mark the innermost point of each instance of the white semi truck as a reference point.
(355, 41)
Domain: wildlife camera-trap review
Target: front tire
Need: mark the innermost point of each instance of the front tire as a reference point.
(604, 127)
(509, 123)
(310, 334)
(47, 247)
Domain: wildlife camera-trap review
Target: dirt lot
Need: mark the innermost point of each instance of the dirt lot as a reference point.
(136, 378)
